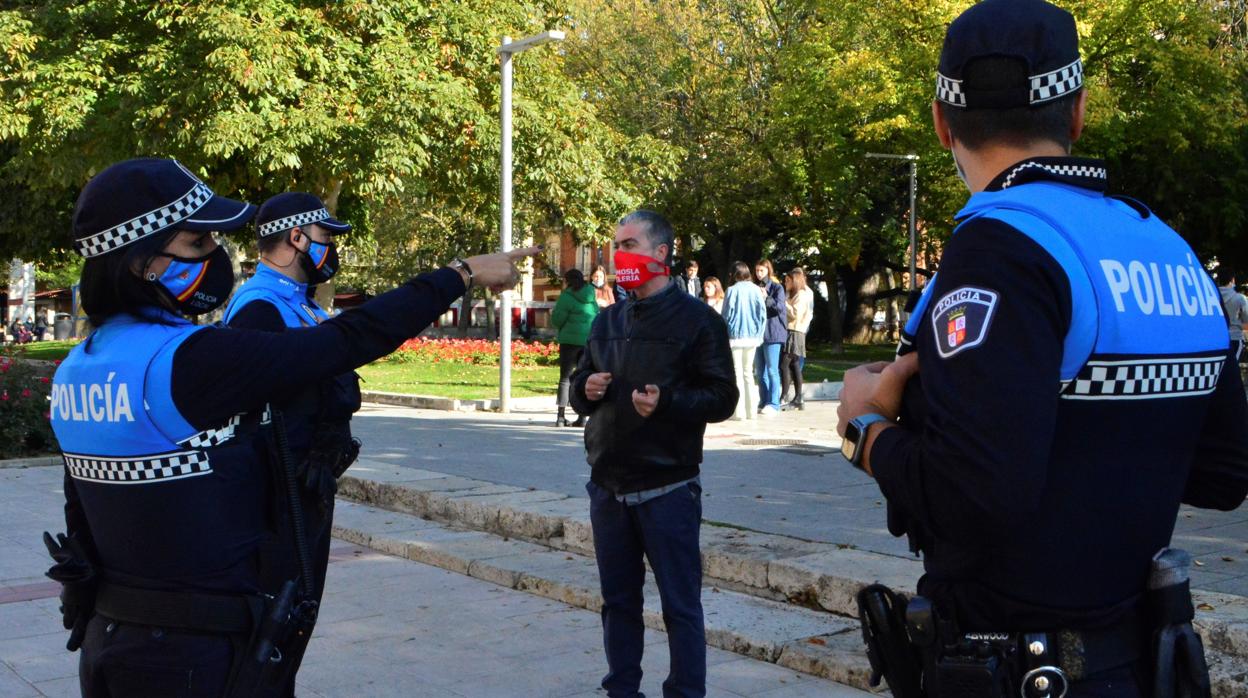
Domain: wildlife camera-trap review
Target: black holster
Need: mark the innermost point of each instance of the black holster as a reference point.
(883, 616)
(1180, 670)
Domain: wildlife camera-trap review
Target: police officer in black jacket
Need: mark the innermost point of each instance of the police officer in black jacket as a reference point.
(169, 487)
(656, 369)
(1074, 386)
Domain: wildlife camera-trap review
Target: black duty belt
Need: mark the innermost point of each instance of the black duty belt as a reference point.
(209, 613)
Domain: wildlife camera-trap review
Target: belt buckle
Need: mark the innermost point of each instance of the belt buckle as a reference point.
(1038, 684)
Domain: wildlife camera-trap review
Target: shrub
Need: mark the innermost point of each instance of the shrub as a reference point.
(481, 352)
(25, 389)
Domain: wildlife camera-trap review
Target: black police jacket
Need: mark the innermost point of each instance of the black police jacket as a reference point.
(674, 341)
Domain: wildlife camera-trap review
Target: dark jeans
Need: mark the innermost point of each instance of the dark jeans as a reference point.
(122, 660)
(665, 531)
(791, 374)
(569, 356)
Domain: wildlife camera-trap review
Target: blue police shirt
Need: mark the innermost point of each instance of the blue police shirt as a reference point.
(1075, 386)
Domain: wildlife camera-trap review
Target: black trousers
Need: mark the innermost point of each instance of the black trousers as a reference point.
(569, 356)
(123, 660)
(791, 374)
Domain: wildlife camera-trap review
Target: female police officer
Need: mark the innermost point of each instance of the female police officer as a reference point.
(167, 484)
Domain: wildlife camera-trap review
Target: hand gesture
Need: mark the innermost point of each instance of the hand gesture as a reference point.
(498, 271)
(875, 388)
(596, 386)
(645, 403)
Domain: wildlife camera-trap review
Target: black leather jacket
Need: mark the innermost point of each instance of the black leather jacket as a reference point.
(674, 341)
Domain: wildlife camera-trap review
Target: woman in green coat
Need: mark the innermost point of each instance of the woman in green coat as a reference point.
(573, 314)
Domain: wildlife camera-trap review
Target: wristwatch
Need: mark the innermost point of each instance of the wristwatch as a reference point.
(461, 266)
(855, 434)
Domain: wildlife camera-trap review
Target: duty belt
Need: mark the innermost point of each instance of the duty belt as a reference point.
(208, 613)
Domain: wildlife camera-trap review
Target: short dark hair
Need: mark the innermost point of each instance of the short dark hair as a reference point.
(741, 272)
(1021, 126)
(658, 230)
(109, 286)
(575, 278)
(1226, 275)
(269, 243)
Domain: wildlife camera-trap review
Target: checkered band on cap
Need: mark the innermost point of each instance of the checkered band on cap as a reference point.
(949, 91)
(1058, 83)
(151, 222)
(289, 222)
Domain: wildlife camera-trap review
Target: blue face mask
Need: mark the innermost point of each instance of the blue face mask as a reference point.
(197, 285)
(320, 262)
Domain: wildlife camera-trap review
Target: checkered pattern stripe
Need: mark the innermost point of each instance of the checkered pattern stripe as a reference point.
(289, 222)
(1058, 83)
(137, 471)
(1145, 379)
(209, 438)
(1077, 171)
(146, 224)
(949, 91)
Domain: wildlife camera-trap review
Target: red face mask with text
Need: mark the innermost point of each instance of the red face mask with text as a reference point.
(633, 270)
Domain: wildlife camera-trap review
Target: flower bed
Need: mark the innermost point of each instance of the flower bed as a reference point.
(480, 352)
(25, 426)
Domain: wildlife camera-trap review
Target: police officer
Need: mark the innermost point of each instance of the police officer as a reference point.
(166, 477)
(295, 238)
(1074, 387)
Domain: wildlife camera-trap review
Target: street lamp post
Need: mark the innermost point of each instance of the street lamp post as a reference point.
(914, 242)
(505, 52)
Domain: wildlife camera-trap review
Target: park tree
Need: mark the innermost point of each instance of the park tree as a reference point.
(388, 111)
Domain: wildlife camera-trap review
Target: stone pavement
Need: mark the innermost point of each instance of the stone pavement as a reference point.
(390, 627)
(781, 475)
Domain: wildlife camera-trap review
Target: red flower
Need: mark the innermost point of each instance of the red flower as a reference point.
(26, 393)
(45, 380)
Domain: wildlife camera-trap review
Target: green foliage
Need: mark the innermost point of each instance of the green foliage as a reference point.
(25, 429)
(386, 110)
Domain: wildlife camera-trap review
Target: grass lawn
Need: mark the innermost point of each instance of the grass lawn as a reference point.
(822, 364)
(465, 381)
(42, 351)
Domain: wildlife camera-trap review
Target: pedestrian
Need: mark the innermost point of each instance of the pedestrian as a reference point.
(295, 238)
(1236, 308)
(767, 361)
(574, 312)
(745, 311)
(1069, 402)
(603, 295)
(656, 370)
(693, 285)
(713, 292)
(800, 302)
(163, 426)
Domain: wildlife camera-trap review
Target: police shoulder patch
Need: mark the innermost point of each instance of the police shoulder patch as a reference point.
(960, 319)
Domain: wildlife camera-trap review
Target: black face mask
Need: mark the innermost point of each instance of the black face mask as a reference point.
(196, 285)
(320, 262)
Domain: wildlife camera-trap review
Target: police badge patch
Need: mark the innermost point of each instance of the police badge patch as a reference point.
(960, 320)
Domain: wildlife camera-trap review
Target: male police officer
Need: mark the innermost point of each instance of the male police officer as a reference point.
(1076, 387)
(295, 238)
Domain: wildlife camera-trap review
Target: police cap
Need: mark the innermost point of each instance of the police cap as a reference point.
(285, 211)
(1041, 36)
(133, 199)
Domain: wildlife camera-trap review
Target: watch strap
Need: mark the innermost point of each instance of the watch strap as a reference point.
(863, 422)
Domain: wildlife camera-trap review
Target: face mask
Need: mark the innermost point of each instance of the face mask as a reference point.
(597, 283)
(320, 262)
(199, 285)
(958, 167)
(633, 270)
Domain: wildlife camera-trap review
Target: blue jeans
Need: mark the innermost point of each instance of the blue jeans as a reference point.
(767, 368)
(664, 530)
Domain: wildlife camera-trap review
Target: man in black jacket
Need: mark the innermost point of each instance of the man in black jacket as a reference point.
(655, 371)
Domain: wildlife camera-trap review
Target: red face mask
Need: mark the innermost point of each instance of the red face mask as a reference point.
(633, 270)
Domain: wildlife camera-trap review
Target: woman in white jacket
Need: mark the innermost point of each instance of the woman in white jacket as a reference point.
(801, 302)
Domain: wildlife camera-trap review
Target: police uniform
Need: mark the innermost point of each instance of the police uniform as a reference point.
(167, 482)
(1074, 388)
(317, 419)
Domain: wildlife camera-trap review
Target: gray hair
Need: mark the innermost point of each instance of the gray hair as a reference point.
(658, 231)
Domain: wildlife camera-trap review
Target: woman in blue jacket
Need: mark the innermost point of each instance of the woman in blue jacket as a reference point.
(767, 363)
(745, 311)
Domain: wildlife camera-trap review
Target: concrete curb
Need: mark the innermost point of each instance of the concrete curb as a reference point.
(819, 576)
(427, 402)
(34, 462)
(825, 645)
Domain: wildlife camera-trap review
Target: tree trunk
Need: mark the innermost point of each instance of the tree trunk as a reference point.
(324, 293)
(836, 320)
(862, 313)
(465, 314)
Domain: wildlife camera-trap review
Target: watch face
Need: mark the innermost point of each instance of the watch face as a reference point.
(849, 446)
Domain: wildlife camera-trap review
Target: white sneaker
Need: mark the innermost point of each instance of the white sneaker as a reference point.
(769, 411)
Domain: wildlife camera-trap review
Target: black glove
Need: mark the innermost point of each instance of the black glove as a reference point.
(73, 569)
